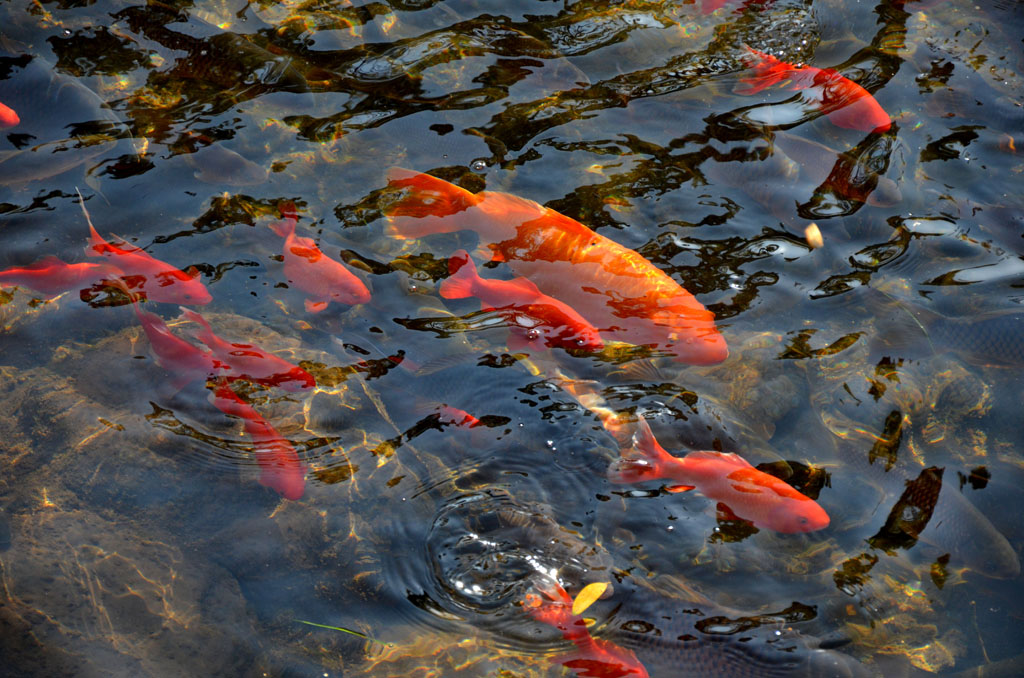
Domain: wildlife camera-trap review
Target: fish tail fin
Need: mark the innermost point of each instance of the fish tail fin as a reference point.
(548, 602)
(285, 226)
(425, 196)
(645, 460)
(767, 71)
(463, 279)
(206, 334)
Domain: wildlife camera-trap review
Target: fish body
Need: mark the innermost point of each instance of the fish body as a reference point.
(147, 276)
(250, 362)
(615, 288)
(747, 493)
(536, 317)
(50, 275)
(593, 657)
(181, 358)
(280, 467)
(846, 103)
(457, 417)
(8, 116)
(322, 278)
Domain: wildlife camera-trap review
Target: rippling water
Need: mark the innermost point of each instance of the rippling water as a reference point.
(445, 474)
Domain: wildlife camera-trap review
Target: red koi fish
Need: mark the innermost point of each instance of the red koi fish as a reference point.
(593, 658)
(252, 363)
(280, 467)
(846, 103)
(322, 278)
(749, 494)
(184, 360)
(616, 289)
(149, 277)
(50, 275)
(456, 417)
(8, 117)
(535, 317)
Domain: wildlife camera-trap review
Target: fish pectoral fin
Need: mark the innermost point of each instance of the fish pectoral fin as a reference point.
(313, 306)
(675, 489)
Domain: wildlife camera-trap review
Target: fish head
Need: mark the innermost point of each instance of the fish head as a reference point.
(793, 515)
(704, 348)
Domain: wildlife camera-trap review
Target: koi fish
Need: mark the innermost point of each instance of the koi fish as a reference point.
(186, 361)
(8, 117)
(535, 317)
(846, 103)
(616, 289)
(322, 278)
(747, 493)
(593, 658)
(50, 275)
(280, 467)
(456, 417)
(252, 363)
(150, 277)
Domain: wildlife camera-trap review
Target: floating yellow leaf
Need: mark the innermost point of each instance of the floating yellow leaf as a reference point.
(588, 595)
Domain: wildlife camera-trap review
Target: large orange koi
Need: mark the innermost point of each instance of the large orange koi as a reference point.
(749, 494)
(846, 103)
(615, 288)
(593, 657)
(280, 467)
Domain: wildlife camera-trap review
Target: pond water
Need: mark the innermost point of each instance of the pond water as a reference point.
(402, 495)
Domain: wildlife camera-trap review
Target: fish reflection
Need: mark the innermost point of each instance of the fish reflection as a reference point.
(749, 494)
(846, 103)
(615, 288)
(534, 317)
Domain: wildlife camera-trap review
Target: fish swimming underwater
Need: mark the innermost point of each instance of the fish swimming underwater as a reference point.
(8, 117)
(280, 467)
(305, 266)
(535, 318)
(846, 103)
(749, 494)
(149, 277)
(51, 275)
(185, 361)
(593, 658)
(252, 363)
(621, 293)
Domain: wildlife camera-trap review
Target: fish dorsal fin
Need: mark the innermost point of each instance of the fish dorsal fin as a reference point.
(730, 457)
(525, 285)
(429, 196)
(645, 442)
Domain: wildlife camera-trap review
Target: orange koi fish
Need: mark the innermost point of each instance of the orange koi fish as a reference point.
(252, 363)
(8, 117)
(280, 467)
(616, 289)
(456, 417)
(535, 317)
(322, 278)
(749, 494)
(846, 103)
(593, 658)
(50, 275)
(184, 360)
(149, 277)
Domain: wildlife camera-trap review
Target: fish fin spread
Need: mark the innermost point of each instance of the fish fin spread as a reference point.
(206, 335)
(645, 443)
(315, 306)
(97, 245)
(675, 489)
(283, 227)
(726, 514)
(525, 285)
(464, 278)
(425, 196)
